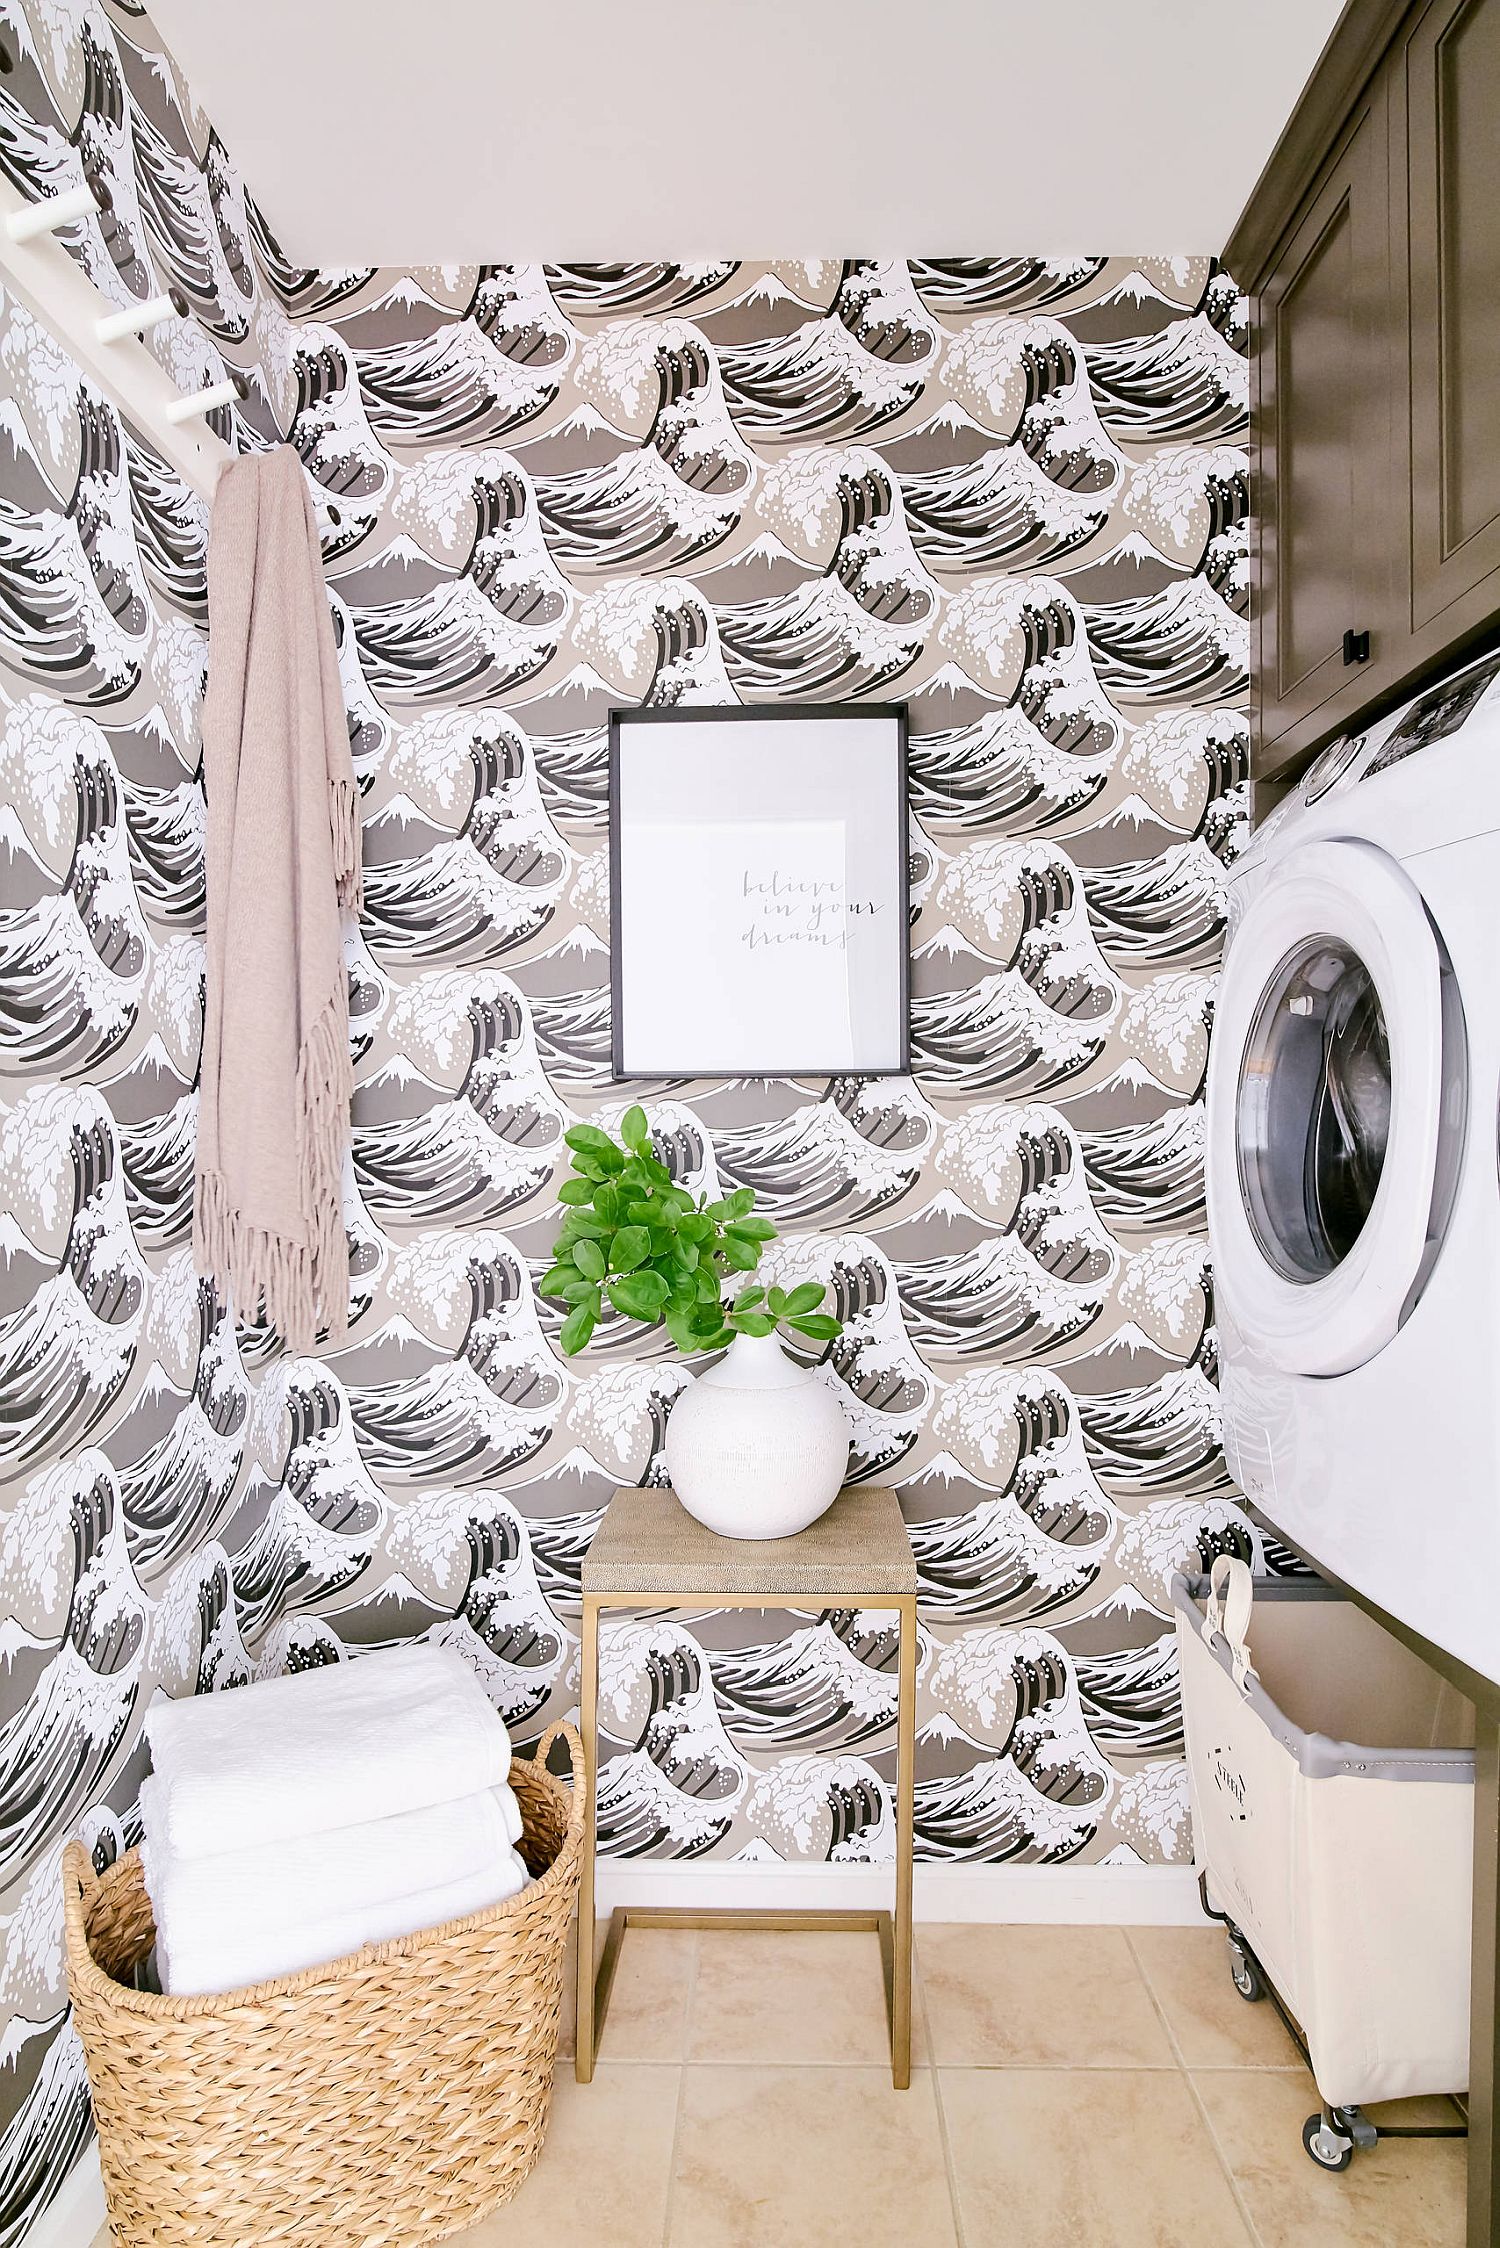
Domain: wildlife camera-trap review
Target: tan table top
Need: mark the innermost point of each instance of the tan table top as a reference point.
(647, 1543)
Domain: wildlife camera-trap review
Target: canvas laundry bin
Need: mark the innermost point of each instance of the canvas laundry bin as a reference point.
(1332, 1779)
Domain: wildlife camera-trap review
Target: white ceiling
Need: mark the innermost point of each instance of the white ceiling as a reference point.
(444, 131)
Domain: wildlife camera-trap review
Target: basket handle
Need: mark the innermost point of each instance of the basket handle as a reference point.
(1227, 1612)
(79, 1881)
(563, 1731)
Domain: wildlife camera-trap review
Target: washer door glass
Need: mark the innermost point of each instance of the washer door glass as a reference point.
(1314, 1109)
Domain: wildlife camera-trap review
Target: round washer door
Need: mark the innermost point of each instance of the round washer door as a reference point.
(1326, 1108)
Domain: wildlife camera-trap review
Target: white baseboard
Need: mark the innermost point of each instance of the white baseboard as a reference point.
(1113, 1896)
(75, 2214)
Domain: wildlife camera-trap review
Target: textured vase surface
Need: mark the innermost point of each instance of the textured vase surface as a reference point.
(757, 1447)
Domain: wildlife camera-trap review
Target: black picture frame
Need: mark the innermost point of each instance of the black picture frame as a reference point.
(800, 713)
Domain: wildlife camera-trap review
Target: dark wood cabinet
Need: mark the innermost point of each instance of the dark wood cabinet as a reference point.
(1321, 424)
(1449, 88)
(1371, 253)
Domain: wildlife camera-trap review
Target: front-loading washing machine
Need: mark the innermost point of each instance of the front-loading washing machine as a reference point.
(1353, 1190)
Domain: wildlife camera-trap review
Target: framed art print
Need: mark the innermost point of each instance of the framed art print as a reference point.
(758, 891)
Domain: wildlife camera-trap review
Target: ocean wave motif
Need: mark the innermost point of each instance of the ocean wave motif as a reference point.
(1183, 645)
(832, 1683)
(675, 1793)
(1001, 774)
(472, 380)
(837, 1161)
(1186, 381)
(1148, 1176)
(838, 377)
(992, 1814)
(604, 292)
(66, 1352)
(1008, 489)
(961, 285)
(72, 1698)
(1166, 912)
(1165, 1438)
(832, 1810)
(73, 962)
(1001, 1035)
(74, 611)
(671, 499)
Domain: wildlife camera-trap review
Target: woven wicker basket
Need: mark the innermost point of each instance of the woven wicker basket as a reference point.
(389, 2099)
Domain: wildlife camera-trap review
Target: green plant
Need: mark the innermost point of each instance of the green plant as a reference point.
(656, 1253)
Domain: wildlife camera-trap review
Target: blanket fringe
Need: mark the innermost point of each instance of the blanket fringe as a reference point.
(300, 1287)
(343, 812)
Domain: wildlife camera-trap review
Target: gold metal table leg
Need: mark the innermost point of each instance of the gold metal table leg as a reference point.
(906, 1742)
(893, 1929)
(588, 1711)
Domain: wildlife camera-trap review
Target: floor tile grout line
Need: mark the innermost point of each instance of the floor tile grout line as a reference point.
(682, 2069)
(944, 2135)
(1236, 2194)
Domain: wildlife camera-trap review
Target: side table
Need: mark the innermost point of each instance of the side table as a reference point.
(649, 1553)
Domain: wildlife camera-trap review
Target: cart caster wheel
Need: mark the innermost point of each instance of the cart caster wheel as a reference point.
(1245, 1975)
(1327, 2147)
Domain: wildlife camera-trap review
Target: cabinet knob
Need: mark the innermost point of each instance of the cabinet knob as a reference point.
(1356, 647)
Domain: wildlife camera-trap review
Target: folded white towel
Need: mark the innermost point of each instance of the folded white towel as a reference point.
(342, 1874)
(335, 1746)
(214, 1953)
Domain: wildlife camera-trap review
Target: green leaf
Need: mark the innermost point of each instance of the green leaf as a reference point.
(752, 1323)
(707, 1284)
(818, 1324)
(685, 1254)
(776, 1302)
(743, 1256)
(681, 1333)
(640, 1295)
(576, 1190)
(587, 1139)
(631, 1246)
(607, 1201)
(576, 1329)
(705, 1319)
(559, 1280)
(580, 1223)
(693, 1226)
(634, 1129)
(589, 1258)
(719, 1341)
(752, 1229)
(807, 1297)
(747, 1299)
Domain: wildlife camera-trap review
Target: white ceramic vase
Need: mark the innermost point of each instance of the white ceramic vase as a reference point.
(757, 1447)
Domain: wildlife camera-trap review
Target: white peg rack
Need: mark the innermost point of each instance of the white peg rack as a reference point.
(38, 270)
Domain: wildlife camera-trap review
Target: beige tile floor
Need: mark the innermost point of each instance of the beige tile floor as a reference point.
(1074, 2088)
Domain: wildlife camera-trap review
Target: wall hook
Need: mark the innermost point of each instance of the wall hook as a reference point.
(140, 319)
(56, 211)
(218, 394)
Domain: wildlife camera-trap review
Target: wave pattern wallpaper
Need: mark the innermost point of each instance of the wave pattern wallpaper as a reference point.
(1007, 492)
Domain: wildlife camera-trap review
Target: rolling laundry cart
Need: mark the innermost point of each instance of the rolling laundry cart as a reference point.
(1332, 1779)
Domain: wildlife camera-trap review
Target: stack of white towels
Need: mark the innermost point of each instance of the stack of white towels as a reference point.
(290, 1823)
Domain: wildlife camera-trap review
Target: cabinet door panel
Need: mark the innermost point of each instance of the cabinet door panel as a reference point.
(1323, 424)
(1453, 153)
